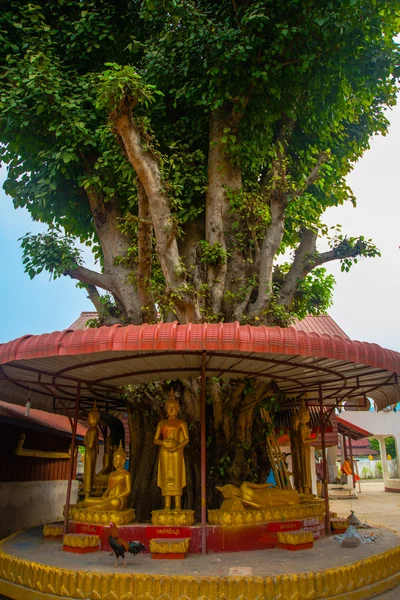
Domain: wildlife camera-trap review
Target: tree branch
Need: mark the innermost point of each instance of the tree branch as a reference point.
(303, 259)
(144, 236)
(91, 278)
(314, 175)
(115, 246)
(222, 174)
(148, 171)
(307, 258)
(104, 315)
(273, 184)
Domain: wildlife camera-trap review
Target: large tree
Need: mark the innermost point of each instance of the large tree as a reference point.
(194, 145)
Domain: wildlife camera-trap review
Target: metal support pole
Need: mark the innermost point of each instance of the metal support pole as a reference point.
(72, 458)
(203, 456)
(352, 463)
(345, 446)
(324, 467)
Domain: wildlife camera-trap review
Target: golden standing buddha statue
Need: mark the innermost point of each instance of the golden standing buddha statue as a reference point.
(172, 436)
(101, 478)
(304, 443)
(294, 449)
(118, 489)
(91, 442)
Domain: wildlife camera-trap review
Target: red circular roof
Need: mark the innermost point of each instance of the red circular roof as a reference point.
(104, 359)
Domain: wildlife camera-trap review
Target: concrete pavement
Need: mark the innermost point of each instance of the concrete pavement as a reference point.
(375, 506)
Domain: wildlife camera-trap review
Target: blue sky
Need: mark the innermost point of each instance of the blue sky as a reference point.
(30, 306)
(366, 300)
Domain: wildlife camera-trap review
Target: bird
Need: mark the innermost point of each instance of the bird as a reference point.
(120, 546)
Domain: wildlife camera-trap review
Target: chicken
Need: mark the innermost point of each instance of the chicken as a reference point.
(120, 546)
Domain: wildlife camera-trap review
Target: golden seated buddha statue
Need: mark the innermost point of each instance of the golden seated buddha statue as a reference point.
(118, 489)
(112, 505)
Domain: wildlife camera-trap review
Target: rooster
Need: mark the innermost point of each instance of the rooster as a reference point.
(120, 546)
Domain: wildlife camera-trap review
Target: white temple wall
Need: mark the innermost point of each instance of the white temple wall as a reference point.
(26, 504)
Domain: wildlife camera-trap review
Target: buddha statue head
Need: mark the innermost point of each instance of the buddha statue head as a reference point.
(171, 404)
(295, 420)
(94, 416)
(304, 414)
(119, 457)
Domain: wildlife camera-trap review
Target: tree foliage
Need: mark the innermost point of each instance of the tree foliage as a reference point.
(190, 143)
(389, 443)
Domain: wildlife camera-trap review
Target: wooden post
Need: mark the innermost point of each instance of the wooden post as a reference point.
(324, 466)
(72, 459)
(203, 466)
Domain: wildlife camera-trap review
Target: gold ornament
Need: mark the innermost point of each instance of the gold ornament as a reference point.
(81, 540)
(295, 538)
(165, 546)
(172, 518)
(27, 579)
(53, 530)
(314, 510)
(101, 517)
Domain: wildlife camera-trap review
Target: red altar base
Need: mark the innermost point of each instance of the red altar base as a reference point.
(79, 550)
(170, 555)
(219, 539)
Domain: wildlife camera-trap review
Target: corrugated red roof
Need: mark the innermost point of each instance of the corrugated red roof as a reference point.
(361, 447)
(81, 322)
(103, 360)
(40, 417)
(198, 337)
(323, 324)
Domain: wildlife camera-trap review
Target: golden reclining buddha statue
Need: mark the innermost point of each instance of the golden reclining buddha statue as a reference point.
(256, 496)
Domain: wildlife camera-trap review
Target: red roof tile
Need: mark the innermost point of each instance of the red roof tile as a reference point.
(81, 322)
(324, 364)
(39, 417)
(322, 324)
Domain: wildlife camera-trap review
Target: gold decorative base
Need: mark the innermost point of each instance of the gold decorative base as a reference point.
(102, 517)
(53, 530)
(28, 580)
(267, 515)
(295, 538)
(338, 523)
(81, 540)
(167, 546)
(172, 517)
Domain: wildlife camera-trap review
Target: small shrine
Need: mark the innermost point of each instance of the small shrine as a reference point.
(250, 516)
